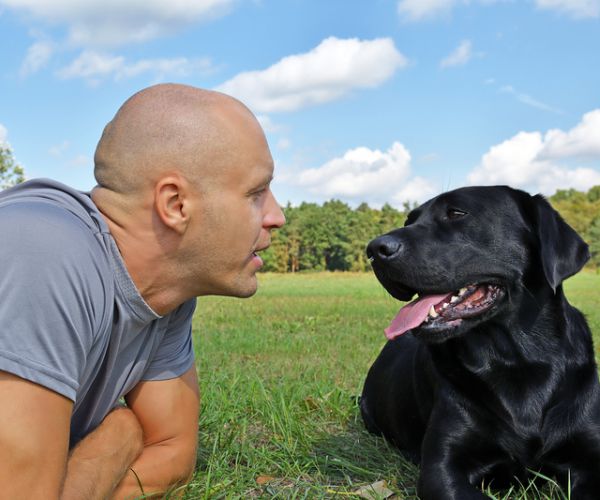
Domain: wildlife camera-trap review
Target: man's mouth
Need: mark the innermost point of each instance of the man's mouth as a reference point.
(443, 312)
(262, 248)
(257, 258)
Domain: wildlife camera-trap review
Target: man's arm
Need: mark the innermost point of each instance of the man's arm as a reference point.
(102, 458)
(34, 439)
(34, 446)
(167, 411)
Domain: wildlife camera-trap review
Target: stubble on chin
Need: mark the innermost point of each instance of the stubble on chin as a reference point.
(244, 287)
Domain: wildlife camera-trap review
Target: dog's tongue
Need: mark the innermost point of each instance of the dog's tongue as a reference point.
(412, 315)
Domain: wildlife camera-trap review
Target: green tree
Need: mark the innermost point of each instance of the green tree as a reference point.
(10, 172)
(567, 195)
(593, 194)
(363, 226)
(594, 242)
(314, 240)
(283, 254)
(330, 237)
(576, 208)
(336, 224)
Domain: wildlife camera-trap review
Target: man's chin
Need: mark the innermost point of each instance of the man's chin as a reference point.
(245, 288)
(247, 293)
(241, 285)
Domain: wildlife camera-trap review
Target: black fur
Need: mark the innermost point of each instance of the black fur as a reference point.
(511, 390)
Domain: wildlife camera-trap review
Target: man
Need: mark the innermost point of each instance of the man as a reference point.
(97, 293)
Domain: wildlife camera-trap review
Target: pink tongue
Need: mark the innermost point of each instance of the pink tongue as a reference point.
(412, 315)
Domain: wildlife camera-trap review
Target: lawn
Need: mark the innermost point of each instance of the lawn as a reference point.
(279, 376)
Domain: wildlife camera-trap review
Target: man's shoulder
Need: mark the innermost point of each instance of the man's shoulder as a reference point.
(46, 239)
(49, 213)
(31, 227)
(48, 199)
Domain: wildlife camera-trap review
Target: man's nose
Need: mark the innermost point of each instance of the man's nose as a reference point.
(274, 216)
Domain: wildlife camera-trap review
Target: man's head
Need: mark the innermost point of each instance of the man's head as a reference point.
(193, 168)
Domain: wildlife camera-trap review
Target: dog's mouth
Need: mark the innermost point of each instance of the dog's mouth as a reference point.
(444, 312)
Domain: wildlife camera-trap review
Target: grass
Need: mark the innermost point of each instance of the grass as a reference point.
(279, 376)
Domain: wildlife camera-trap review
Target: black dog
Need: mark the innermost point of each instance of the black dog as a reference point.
(497, 375)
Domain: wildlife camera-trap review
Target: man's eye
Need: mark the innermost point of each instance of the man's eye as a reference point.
(258, 193)
(455, 213)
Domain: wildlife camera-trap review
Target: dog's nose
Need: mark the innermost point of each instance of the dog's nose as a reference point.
(385, 247)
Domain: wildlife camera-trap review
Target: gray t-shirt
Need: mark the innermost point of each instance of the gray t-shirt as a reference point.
(71, 318)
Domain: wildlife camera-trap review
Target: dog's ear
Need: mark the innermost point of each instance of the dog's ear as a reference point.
(562, 251)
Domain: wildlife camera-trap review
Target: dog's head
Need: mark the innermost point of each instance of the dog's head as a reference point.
(466, 252)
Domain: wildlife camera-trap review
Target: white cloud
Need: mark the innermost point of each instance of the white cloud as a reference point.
(116, 22)
(272, 128)
(97, 66)
(417, 10)
(92, 65)
(363, 174)
(328, 72)
(545, 162)
(528, 100)
(284, 143)
(582, 141)
(415, 189)
(37, 57)
(80, 161)
(421, 10)
(3, 135)
(459, 56)
(267, 124)
(59, 149)
(577, 9)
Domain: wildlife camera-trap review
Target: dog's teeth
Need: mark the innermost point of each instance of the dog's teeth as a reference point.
(432, 312)
(446, 305)
(454, 299)
(462, 291)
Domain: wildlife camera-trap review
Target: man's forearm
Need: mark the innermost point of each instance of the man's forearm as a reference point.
(160, 468)
(100, 461)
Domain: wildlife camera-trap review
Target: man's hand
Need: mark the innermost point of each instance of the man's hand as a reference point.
(168, 413)
(100, 460)
(34, 439)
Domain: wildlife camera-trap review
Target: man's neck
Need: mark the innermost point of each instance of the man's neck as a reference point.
(144, 251)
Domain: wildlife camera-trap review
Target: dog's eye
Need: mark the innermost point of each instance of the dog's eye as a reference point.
(455, 213)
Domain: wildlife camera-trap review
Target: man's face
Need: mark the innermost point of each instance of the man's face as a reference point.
(235, 219)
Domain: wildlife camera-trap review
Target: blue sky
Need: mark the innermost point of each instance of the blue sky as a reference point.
(377, 101)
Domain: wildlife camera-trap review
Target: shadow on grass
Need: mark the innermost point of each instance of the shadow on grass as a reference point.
(355, 458)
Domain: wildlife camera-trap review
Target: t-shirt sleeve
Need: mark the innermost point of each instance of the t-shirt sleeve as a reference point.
(52, 296)
(175, 354)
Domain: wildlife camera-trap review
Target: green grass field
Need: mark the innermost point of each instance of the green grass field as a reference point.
(279, 374)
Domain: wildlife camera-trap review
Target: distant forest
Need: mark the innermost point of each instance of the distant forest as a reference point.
(333, 236)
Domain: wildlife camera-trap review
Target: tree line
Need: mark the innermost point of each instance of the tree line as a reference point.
(10, 172)
(333, 236)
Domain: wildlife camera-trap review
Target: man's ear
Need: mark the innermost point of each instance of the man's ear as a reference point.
(171, 202)
(562, 251)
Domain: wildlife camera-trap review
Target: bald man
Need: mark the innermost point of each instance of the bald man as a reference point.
(97, 294)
